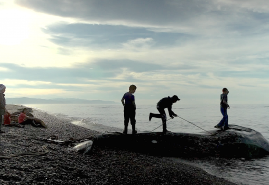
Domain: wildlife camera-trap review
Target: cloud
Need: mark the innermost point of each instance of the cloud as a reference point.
(33, 92)
(205, 34)
(192, 48)
(4, 69)
(260, 6)
(139, 43)
(16, 82)
(203, 17)
(106, 36)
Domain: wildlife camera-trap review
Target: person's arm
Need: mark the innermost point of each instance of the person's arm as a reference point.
(171, 113)
(228, 106)
(224, 101)
(134, 104)
(25, 117)
(29, 117)
(122, 101)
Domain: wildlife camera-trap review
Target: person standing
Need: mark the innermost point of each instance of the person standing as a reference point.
(223, 124)
(166, 102)
(3, 110)
(128, 101)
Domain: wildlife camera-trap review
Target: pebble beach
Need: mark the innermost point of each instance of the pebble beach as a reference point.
(26, 157)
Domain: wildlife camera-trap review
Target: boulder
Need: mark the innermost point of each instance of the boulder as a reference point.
(235, 142)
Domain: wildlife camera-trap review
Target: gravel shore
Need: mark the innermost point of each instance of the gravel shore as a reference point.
(27, 158)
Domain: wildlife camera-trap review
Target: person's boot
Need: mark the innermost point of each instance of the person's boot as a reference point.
(164, 128)
(133, 129)
(125, 130)
(150, 116)
(217, 126)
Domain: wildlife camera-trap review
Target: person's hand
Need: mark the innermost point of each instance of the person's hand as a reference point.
(228, 106)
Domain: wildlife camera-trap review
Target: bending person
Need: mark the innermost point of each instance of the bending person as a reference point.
(161, 105)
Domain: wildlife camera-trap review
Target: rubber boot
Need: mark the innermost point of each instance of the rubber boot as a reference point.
(152, 115)
(164, 127)
(125, 129)
(133, 129)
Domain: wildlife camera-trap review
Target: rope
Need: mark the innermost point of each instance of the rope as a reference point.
(188, 122)
(160, 125)
(194, 125)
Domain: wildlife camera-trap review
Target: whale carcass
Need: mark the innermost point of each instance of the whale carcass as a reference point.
(235, 142)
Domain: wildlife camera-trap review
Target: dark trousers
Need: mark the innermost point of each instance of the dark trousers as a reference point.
(162, 115)
(224, 120)
(29, 121)
(129, 114)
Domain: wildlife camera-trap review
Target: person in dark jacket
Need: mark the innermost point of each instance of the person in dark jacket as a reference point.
(161, 105)
(128, 101)
(3, 110)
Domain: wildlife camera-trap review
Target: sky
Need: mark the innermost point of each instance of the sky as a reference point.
(95, 49)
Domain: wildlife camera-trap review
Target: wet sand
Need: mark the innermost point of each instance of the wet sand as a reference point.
(27, 158)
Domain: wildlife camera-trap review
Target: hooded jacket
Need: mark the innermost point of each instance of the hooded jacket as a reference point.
(166, 103)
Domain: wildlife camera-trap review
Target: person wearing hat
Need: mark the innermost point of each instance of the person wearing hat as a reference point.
(2, 105)
(166, 102)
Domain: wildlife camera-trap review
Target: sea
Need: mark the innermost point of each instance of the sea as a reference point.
(196, 119)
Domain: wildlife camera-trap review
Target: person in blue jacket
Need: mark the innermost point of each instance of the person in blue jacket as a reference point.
(166, 102)
(223, 124)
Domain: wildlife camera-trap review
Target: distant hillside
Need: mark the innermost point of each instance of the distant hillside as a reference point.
(25, 100)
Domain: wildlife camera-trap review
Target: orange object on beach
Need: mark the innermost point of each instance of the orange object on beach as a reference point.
(7, 119)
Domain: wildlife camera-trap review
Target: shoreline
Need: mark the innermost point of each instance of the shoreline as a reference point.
(59, 165)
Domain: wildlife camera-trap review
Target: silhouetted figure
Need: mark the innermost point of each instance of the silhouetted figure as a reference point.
(161, 105)
(128, 101)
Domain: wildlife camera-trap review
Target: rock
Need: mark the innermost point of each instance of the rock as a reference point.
(235, 142)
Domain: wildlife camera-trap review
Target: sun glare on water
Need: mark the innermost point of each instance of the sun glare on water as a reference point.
(14, 26)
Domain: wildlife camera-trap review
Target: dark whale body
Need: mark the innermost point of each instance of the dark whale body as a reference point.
(235, 142)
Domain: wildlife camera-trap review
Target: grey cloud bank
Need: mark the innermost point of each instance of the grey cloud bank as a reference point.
(192, 17)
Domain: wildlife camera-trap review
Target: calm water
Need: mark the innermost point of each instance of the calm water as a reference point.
(110, 118)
